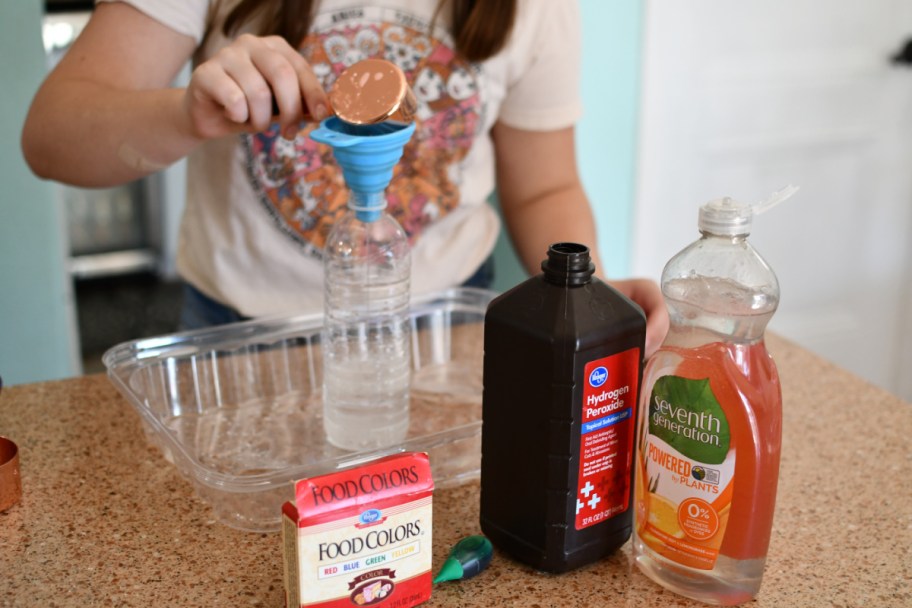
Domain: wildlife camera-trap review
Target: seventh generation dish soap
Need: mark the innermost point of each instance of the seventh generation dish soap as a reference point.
(710, 417)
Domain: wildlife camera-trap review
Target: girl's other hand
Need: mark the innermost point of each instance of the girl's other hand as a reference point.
(233, 91)
(648, 296)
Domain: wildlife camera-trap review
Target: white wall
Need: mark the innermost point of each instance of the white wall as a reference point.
(743, 98)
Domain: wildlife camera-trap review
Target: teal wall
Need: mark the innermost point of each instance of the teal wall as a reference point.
(606, 135)
(36, 330)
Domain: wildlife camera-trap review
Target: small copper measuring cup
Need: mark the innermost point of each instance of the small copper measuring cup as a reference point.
(372, 91)
(368, 92)
(10, 482)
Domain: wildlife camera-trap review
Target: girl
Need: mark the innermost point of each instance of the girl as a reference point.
(497, 86)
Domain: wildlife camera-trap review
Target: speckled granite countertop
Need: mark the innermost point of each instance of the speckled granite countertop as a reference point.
(106, 521)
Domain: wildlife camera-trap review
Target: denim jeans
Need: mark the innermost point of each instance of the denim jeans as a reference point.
(199, 310)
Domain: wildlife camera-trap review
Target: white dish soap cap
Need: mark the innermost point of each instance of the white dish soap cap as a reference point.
(728, 217)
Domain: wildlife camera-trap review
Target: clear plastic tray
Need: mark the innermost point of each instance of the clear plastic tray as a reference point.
(238, 409)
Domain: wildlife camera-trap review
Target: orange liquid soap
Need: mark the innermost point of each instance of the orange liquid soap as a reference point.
(710, 420)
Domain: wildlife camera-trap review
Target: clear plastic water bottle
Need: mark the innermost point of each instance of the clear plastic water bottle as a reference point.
(710, 417)
(367, 266)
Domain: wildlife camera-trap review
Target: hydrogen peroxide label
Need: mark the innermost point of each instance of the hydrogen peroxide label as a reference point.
(687, 465)
(609, 398)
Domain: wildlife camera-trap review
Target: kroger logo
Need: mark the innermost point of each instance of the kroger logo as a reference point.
(370, 516)
(598, 376)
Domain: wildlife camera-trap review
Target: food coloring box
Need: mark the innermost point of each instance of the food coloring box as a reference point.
(361, 536)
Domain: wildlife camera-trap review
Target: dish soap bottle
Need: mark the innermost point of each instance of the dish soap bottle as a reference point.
(710, 417)
(563, 356)
(367, 267)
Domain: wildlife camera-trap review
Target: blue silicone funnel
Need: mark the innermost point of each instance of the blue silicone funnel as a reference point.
(367, 155)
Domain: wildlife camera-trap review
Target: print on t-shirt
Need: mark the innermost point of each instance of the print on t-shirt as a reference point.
(299, 183)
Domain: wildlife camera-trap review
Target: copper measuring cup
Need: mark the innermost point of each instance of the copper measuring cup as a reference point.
(368, 92)
(372, 91)
(10, 481)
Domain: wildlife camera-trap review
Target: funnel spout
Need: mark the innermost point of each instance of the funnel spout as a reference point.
(367, 155)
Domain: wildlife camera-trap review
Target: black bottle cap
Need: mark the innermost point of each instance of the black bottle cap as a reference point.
(568, 264)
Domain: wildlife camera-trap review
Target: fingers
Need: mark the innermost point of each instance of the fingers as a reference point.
(296, 91)
(648, 296)
(309, 86)
(298, 98)
(245, 82)
(656, 328)
(210, 84)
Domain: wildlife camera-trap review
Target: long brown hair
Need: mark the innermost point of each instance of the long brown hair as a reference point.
(481, 28)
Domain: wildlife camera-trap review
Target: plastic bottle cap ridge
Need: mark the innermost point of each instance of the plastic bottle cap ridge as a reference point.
(728, 217)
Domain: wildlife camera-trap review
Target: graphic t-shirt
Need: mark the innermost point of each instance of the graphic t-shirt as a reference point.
(259, 207)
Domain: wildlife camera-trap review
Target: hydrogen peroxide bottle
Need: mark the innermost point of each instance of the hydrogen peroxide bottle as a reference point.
(367, 267)
(563, 358)
(710, 420)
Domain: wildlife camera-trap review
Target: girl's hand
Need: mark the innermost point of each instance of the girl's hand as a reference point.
(647, 294)
(234, 90)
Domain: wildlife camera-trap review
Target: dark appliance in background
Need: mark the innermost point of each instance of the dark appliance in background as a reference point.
(122, 240)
